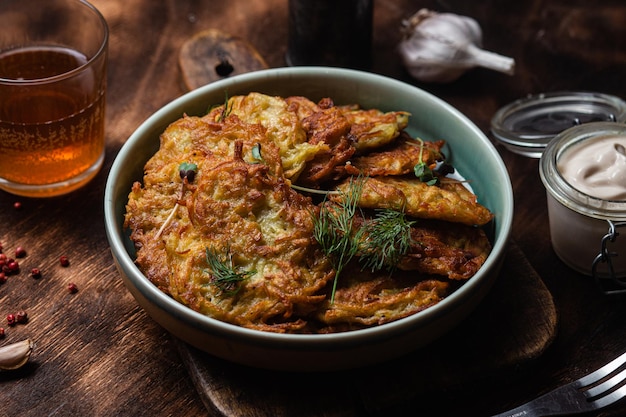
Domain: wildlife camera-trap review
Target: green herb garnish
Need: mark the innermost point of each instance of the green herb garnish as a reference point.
(256, 153)
(187, 170)
(422, 170)
(386, 239)
(223, 273)
(425, 174)
(334, 230)
(226, 110)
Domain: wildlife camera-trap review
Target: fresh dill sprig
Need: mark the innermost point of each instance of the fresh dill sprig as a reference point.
(334, 230)
(385, 240)
(223, 273)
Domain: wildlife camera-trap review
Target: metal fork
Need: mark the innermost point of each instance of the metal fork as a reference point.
(592, 392)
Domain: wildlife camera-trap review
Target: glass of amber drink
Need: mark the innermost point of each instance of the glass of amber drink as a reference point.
(53, 56)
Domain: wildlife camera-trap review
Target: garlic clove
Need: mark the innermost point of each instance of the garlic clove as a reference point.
(15, 355)
(440, 47)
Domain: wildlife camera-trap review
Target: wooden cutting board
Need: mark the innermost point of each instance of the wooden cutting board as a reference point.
(213, 55)
(496, 339)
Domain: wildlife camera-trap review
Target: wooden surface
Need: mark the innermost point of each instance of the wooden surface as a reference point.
(98, 354)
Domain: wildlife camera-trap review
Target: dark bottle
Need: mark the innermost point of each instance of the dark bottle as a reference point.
(335, 33)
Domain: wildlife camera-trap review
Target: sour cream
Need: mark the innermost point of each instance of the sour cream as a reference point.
(597, 167)
(584, 172)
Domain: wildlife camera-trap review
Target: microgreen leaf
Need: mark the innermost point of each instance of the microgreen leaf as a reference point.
(256, 153)
(188, 170)
(422, 170)
(425, 174)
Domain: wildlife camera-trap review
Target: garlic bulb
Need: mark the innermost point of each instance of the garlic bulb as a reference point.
(440, 47)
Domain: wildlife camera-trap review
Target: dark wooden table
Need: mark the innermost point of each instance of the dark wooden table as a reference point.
(97, 353)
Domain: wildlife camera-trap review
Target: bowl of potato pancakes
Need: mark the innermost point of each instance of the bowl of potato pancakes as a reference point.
(308, 218)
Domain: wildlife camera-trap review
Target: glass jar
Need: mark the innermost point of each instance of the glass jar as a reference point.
(585, 229)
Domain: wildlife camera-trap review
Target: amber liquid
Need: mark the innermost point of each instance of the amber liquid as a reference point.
(50, 131)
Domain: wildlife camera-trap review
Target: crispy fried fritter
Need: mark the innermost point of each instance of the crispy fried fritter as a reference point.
(233, 207)
(282, 124)
(302, 106)
(372, 128)
(399, 158)
(364, 299)
(449, 201)
(329, 127)
(441, 248)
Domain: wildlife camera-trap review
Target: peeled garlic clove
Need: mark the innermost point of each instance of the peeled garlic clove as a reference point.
(15, 355)
(440, 47)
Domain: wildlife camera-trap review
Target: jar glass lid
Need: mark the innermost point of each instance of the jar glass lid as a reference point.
(527, 125)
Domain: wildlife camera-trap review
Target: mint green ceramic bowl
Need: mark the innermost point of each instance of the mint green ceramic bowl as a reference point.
(469, 150)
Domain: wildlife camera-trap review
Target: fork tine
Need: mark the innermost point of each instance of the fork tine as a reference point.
(603, 372)
(606, 385)
(613, 397)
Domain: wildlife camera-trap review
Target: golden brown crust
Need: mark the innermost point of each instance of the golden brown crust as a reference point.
(449, 201)
(329, 127)
(399, 158)
(373, 128)
(440, 248)
(364, 299)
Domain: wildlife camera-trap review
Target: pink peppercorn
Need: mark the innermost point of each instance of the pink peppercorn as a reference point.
(21, 317)
(72, 288)
(13, 266)
(11, 320)
(64, 260)
(1, 332)
(3, 277)
(35, 273)
(20, 252)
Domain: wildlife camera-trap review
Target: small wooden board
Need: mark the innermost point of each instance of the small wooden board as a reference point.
(212, 55)
(496, 341)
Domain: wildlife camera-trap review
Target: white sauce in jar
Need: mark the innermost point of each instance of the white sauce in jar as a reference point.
(597, 167)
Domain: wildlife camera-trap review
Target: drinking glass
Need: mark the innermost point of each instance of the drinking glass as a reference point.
(53, 56)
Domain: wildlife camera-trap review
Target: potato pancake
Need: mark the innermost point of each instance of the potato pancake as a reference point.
(399, 158)
(254, 220)
(450, 201)
(282, 125)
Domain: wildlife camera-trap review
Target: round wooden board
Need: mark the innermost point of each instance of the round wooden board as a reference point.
(482, 347)
(212, 55)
